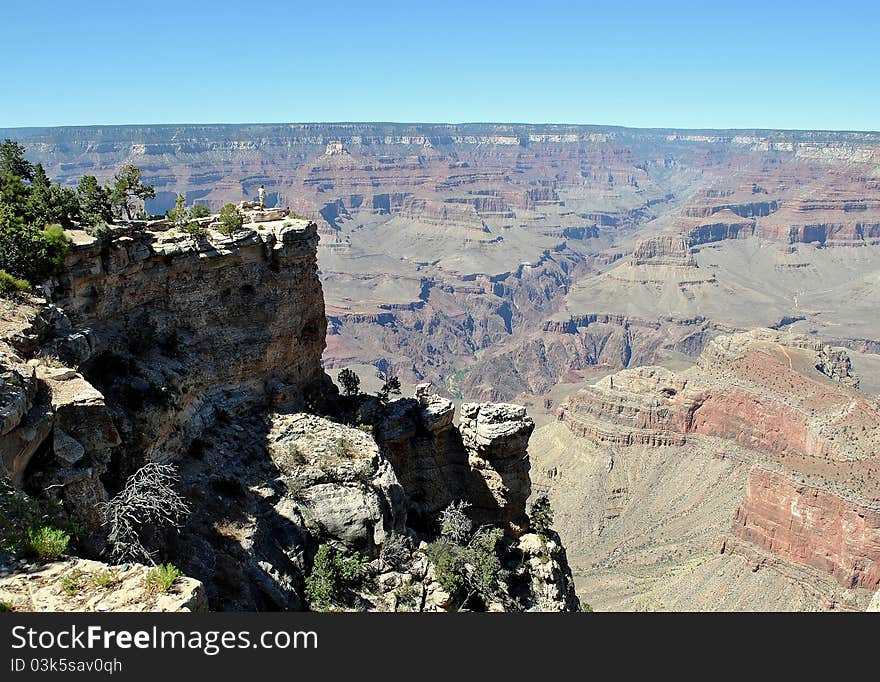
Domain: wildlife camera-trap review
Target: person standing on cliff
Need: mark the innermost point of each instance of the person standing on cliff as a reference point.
(261, 193)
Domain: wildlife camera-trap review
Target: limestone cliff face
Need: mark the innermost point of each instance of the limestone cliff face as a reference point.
(765, 390)
(178, 328)
(663, 250)
(484, 460)
(57, 433)
(168, 333)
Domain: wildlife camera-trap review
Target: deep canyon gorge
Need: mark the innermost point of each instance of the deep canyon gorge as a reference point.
(688, 317)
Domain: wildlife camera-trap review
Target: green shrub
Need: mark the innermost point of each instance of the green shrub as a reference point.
(295, 489)
(341, 448)
(486, 576)
(20, 513)
(541, 516)
(449, 564)
(27, 252)
(6, 607)
(55, 246)
(180, 214)
(99, 231)
(12, 285)
(472, 570)
(332, 579)
(104, 579)
(408, 596)
(161, 578)
(195, 230)
(231, 220)
(47, 543)
(71, 583)
(200, 211)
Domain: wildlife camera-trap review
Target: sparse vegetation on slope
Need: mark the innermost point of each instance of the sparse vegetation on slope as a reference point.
(161, 578)
(332, 579)
(47, 543)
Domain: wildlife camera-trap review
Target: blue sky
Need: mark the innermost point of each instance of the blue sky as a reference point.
(740, 63)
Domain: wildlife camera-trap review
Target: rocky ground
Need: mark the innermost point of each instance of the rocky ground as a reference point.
(83, 585)
(266, 503)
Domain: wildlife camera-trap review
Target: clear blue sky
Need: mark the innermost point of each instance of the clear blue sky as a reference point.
(737, 63)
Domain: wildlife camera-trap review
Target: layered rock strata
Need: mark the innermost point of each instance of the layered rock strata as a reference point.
(785, 406)
(178, 326)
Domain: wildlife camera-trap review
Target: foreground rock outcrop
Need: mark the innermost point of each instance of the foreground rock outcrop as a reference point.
(268, 492)
(178, 327)
(483, 461)
(204, 351)
(83, 585)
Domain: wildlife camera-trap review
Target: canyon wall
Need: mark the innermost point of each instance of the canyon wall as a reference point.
(784, 413)
(478, 233)
(812, 526)
(178, 328)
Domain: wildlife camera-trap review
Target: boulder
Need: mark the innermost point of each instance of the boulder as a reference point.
(495, 430)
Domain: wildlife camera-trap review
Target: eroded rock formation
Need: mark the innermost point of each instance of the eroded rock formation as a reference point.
(203, 351)
(783, 412)
(813, 526)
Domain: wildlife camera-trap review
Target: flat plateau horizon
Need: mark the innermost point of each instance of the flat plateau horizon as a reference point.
(496, 122)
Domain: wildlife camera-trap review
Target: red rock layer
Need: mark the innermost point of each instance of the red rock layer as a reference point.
(763, 425)
(813, 527)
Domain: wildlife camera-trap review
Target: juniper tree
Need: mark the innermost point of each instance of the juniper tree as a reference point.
(129, 189)
(350, 381)
(231, 220)
(12, 160)
(389, 388)
(94, 201)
